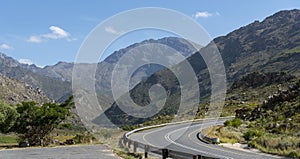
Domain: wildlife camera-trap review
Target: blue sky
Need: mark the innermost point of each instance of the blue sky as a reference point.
(45, 32)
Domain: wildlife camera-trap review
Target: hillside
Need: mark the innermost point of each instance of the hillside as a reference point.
(15, 92)
(281, 103)
(268, 46)
(55, 80)
(266, 106)
(255, 88)
(53, 88)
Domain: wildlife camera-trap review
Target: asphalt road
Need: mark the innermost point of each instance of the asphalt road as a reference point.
(183, 138)
(68, 152)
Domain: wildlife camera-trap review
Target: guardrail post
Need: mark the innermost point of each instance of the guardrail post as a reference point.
(165, 153)
(129, 143)
(124, 140)
(146, 151)
(197, 157)
(135, 145)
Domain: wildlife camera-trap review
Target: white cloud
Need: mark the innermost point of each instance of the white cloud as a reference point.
(26, 61)
(56, 33)
(113, 31)
(6, 47)
(34, 39)
(204, 14)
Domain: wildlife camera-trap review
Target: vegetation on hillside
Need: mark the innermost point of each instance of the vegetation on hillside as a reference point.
(272, 125)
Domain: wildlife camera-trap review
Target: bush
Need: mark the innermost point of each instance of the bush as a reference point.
(250, 134)
(234, 123)
(129, 127)
(293, 154)
(8, 117)
(83, 138)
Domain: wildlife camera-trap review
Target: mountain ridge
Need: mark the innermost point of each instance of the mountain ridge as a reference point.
(272, 45)
(56, 79)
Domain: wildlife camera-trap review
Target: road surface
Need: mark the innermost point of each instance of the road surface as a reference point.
(183, 138)
(68, 152)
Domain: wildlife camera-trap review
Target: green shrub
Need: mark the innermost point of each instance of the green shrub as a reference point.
(293, 154)
(8, 117)
(251, 133)
(129, 127)
(234, 123)
(83, 138)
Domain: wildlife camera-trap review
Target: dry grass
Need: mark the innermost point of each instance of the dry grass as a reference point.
(280, 145)
(226, 134)
(63, 138)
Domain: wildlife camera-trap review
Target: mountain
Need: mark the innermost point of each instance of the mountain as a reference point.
(15, 92)
(61, 70)
(105, 68)
(272, 45)
(267, 46)
(54, 88)
(56, 80)
(181, 45)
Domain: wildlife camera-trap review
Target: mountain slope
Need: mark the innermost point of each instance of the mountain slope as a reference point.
(63, 70)
(15, 92)
(54, 88)
(272, 45)
(55, 80)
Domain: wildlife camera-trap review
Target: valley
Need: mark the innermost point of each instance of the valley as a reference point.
(261, 62)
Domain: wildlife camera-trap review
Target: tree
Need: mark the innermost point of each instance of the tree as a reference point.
(36, 123)
(8, 116)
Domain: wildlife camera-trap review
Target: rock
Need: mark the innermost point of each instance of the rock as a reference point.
(70, 142)
(23, 144)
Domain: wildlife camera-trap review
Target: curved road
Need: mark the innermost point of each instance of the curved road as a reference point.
(183, 138)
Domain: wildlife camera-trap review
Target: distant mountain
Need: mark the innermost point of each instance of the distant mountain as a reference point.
(54, 88)
(105, 68)
(15, 92)
(56, 80)
(179, 44)
(61, 70)
(272, 45)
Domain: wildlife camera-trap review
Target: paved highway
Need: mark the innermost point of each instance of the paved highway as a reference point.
(183, 138)
(68, 152)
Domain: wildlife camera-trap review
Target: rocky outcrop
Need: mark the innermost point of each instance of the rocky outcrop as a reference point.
(15, 92)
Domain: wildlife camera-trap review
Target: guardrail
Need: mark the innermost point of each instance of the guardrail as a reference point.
(164, 152)
(207, 139)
